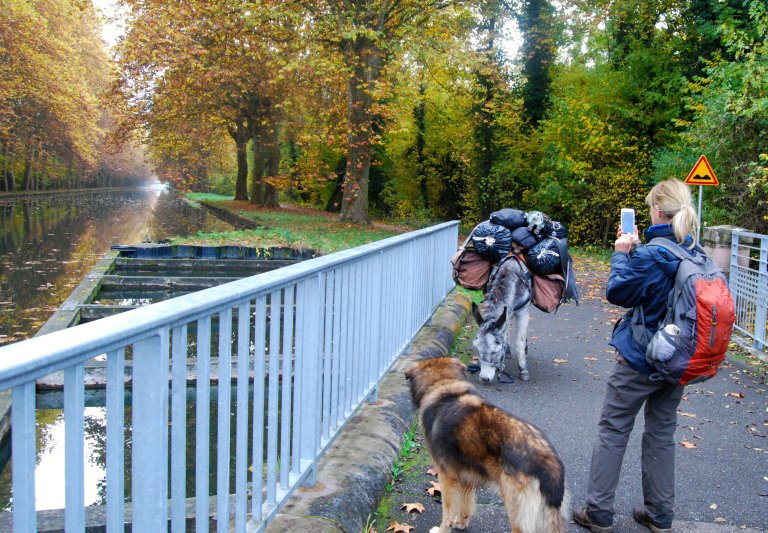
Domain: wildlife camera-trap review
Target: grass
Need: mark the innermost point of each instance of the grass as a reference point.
(410, 446)
(302, 229)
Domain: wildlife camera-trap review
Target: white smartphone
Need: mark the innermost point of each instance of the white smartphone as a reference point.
(627, 220)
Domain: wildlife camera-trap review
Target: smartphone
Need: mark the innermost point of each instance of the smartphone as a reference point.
(627, 220)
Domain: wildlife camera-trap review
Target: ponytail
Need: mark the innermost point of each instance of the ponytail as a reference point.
(685, 223)
(674, 198)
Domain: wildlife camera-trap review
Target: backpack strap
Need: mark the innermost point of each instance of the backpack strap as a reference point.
(639, 329)
(674, 248)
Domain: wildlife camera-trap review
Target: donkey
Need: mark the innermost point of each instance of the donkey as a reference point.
(503, 316)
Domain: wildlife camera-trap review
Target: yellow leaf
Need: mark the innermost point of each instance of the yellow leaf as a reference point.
(410, 507)
(398, 527)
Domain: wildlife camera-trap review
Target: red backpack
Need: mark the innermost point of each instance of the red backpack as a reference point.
(693, 338)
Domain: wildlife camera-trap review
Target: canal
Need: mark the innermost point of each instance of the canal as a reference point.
(47, 244)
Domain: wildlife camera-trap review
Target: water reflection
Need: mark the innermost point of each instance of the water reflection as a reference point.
(48, 243)
(49, 472)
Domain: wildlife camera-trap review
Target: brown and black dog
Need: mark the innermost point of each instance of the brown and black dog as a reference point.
(474, 444)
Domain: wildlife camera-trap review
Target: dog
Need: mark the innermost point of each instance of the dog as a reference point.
(474, 444)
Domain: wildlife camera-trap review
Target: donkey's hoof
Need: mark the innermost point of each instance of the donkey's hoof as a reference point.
(524, 375)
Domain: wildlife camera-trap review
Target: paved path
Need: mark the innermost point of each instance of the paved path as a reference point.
(722, 484)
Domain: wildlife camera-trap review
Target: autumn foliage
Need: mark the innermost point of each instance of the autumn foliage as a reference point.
(416, 110)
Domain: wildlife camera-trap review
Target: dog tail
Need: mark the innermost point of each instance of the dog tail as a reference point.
(533, 514)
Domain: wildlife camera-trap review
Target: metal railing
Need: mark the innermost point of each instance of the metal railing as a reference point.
(304, 345)
(749, 284)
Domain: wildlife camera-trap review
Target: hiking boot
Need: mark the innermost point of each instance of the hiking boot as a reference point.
(641, 516)
(582, 518)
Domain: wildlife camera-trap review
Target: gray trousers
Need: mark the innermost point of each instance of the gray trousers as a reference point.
(626, 392)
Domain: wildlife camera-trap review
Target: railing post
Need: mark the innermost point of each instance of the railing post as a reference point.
(74, 405)
(311, 351)
(762, 297)
(23, 445)
(150, 400)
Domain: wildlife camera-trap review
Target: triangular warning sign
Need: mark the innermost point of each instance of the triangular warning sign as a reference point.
(702, 174)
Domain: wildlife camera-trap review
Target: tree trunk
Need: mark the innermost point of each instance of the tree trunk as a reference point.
(365, 60)
(271, 165)
(240, 136)
(539, 54)
(420, 116)
(6, 155)
(29, 169)
(259, 160)
(43, 172)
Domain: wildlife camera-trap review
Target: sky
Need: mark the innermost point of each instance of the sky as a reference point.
(113, 26)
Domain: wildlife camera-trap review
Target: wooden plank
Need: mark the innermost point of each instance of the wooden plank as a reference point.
(68, 314)
(147, 283)
(251, 266)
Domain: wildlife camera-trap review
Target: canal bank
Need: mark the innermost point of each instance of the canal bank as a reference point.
(354, 471)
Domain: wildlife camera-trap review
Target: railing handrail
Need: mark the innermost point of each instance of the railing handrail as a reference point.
(745, 233)
(36, 357)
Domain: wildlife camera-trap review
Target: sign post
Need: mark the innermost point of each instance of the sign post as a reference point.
(701, 174)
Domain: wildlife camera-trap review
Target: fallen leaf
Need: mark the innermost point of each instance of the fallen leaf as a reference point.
(713, 506)
(689, 415)
(719, 520)
(398, 527)
(590, 358)
(410, 507)
(688, 444)
(559, 361)
(434, 489)
(735, 394)
(432, 471)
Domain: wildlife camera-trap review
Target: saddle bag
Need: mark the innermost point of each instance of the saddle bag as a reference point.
(470, 268)
(547, 291)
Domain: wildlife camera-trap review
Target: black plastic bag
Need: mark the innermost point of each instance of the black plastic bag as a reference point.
(492, 240)
(544, 258)
(509, 218)
(524, 237)
(555, 229)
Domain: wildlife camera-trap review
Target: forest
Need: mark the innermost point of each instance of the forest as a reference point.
(413, 110)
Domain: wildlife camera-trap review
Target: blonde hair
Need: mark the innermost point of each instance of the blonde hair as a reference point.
(673, 197)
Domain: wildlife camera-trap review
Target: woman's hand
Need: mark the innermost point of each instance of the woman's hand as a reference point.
(625, 241)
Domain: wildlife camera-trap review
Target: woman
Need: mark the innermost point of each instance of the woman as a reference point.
(641, 276)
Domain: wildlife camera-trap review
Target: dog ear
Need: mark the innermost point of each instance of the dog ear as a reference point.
(476, 314)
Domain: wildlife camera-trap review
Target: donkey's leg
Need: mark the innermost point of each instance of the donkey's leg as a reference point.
(521, 342)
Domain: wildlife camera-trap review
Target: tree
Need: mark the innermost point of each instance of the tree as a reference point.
(368, 33)
(538, 51)
(53, 70)
(216, 68)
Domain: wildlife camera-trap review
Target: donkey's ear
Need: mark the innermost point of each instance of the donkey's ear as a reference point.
(476, 314)
(501, 320)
